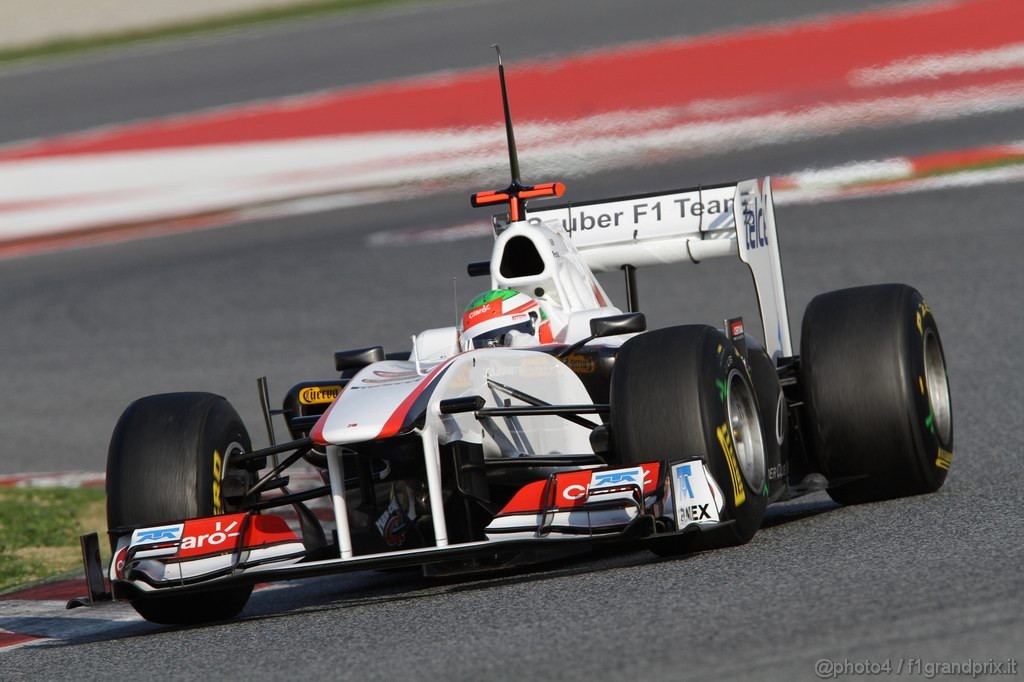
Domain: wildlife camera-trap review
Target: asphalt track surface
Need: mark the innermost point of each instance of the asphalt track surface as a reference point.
(935, 578)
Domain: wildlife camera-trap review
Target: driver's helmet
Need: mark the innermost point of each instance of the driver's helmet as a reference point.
(504, 317)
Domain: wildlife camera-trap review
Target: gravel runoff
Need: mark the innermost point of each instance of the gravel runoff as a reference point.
(24, 23)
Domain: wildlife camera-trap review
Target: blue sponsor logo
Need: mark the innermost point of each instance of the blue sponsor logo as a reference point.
(148, 535)
(683, 474)
(614, 478)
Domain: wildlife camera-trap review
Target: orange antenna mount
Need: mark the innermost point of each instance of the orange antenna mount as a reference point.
(516, 194)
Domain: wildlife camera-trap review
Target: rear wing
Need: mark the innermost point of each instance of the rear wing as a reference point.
(687, 225)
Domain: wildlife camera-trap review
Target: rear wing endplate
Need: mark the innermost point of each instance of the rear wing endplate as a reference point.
(688, 225)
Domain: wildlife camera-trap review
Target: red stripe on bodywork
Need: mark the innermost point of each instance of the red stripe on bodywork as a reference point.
(317, 434)
(260, 530)
(397, 418)
(528, 499)
(570, 490)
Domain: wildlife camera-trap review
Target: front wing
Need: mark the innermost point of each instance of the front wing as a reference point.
(572, 508)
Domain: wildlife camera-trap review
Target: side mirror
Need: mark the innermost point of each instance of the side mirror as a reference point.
(613, 325)
(480, 268)
(357, 358)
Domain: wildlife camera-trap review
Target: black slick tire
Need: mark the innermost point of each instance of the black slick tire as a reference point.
(876, 392)
(669, 401)
(165, 464)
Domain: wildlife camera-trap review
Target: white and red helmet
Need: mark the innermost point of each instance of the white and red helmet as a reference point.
(504, 317)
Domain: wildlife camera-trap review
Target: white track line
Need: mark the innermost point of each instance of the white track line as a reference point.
(89, 191)
(941, 65)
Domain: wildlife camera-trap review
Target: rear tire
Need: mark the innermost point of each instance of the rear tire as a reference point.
(671, 393)
(168, 455)
(876, 392)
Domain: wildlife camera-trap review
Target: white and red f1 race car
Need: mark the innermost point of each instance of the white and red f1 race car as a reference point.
(549, 419)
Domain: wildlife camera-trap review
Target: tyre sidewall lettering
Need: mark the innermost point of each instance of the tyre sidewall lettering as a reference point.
(218, 472)
(744, 504)
(729, 360)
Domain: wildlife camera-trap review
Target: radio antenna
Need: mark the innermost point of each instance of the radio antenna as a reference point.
(513, 156)
(455, 300)
(516, 194)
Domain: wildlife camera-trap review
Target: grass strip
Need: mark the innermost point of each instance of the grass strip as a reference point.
(67, 46)
(39, 529)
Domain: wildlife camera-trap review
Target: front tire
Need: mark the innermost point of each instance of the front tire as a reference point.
(167, 459)
(685, 391)
(876, 392)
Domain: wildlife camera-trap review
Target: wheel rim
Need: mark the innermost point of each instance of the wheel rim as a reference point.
(780, 419)
(234, 448)
(938, 386)
(745, 425)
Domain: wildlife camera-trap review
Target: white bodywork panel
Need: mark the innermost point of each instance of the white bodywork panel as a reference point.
(578, 324)
(538, 374)
(387, 392)
(563, 284)
(696, 497)
(684, 226)
(759, 249)
(365, 404)
(649, 229)
(434, 345)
